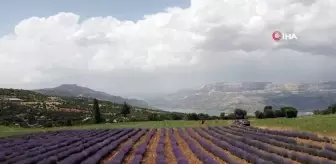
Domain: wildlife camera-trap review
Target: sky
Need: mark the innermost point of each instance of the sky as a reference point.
(130, 48)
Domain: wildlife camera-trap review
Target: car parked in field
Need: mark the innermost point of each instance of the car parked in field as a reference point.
(244, 122)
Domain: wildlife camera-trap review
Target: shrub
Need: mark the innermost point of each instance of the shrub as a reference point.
(175, 116)
(240, 114)
(259, 114)
(291, 112)
(192, 116)
(279, 113)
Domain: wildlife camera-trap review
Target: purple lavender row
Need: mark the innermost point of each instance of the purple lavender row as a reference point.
(279, 138)
(278, 154)
(234, 148)
(111, 145)
(44, 152)
(197, 151)
(40, 136)
(268, 157)
(18, 146)
(316, 152)
(62, 153)
(303, 135)
(141, 149)
(211, 148)
(35, 146)
(127, 148)
(160, 157)
(329, 147)
(84, 146)
(180, 158)
(38, 145)
(92, 150)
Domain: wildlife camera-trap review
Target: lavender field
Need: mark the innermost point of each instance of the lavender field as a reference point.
(210, 145)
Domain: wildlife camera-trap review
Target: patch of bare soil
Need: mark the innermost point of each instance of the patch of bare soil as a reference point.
(111, 155)
(277, 128)
(168, 150)
(204, 150)
(129, 157)
(330, 135)
(237, 159)
(185, 149)
(314, 143)
(150, 154)
(287, 150)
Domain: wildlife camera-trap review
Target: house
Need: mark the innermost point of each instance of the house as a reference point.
(14, 100)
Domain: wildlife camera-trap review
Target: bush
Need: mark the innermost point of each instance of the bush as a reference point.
(240, 114)
(258, 114)
(203, 116)
(279, 113)
(268, 112)
(222, 116)
(153, 117)
(291, 112)
(231, 116)
(175, 116)
(215, 118)
(192, 116)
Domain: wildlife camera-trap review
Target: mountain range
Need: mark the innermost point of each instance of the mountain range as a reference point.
(250, 96)
(73, 90)
(223, 97)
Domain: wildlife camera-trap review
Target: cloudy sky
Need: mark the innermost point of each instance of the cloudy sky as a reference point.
(130, 47)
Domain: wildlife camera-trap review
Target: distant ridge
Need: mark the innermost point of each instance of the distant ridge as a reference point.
(74, 90)
(250, 96)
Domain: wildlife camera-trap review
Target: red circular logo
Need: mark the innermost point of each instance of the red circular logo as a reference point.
(276, 35)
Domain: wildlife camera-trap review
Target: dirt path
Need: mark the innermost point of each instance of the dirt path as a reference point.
(185, 149)
(113, 153)
(204, 150)
(128, 159)
(168, 150)
(235, 158)
(150, 154)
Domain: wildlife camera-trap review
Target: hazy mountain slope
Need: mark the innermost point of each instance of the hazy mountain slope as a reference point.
(251, 96)
(73, 90)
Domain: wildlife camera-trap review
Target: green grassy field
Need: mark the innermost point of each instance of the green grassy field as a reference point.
(325, 125)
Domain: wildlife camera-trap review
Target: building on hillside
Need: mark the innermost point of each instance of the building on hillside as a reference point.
(14, 100)
(53, 98)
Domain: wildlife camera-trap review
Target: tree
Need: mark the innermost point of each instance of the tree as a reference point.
(231, 116)
(153, 117)
(267, 107)
(222, 116)
(333, 108)
(259, 114)
(203, 116)
(176, 116)
(240, 114)
(192, 116)
(96, 111)
(44, 106)
(279, 113)
(291, 112)
(268, 113)
(126, 109)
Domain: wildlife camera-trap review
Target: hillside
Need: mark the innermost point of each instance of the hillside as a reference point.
(32, 109)
(73, 90)
(251, 96)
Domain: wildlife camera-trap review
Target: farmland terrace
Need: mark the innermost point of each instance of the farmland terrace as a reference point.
(214, 145)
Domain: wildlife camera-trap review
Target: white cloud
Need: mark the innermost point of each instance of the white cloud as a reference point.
(209, 41)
